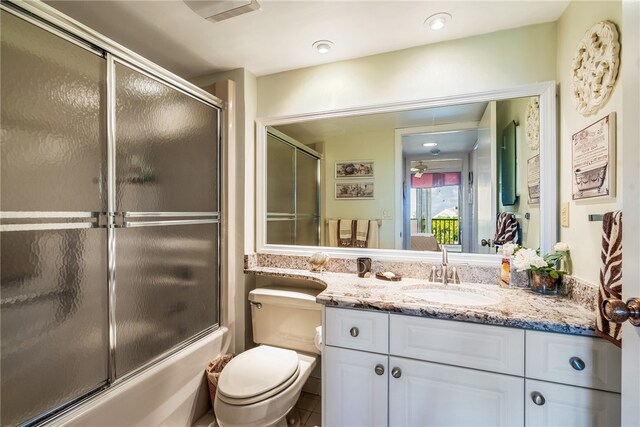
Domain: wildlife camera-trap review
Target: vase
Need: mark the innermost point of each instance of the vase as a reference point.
(564, 263)
(505, 273)
(544, 284)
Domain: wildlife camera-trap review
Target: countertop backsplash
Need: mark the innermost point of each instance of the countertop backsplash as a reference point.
(574, 288)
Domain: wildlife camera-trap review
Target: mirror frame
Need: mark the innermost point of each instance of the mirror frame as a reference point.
(548, 173)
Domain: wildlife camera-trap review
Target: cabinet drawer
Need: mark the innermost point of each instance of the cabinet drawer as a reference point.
(359, 330)
(490, 348)
(568, 406)
(549, 357)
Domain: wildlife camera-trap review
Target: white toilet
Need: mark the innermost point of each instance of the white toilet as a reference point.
(260, 386)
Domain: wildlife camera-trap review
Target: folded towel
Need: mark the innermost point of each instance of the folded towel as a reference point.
(610, 274)
(372, 238)
(506, 229)
(362, 231)
(345, 233)
(333, 233)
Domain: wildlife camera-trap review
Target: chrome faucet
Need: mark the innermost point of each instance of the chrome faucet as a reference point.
(445, 266)
(444, 273)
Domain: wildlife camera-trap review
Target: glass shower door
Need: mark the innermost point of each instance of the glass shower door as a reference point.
(307, 200)
(167, 211)
(54, 299)
(281, 225)
(293, 204)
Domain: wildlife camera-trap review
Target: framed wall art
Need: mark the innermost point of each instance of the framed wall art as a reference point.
(354, 169)
(533, 179)
(354, 190)
(593, 160)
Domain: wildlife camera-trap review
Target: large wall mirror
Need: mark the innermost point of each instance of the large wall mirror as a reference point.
(466, 173)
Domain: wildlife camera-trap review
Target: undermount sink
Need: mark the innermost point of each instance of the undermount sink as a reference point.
(452, 296)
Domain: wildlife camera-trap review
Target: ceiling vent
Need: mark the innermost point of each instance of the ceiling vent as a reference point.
(220, 10)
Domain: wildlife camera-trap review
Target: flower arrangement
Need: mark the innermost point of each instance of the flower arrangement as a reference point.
(545, 271)
(528, 259)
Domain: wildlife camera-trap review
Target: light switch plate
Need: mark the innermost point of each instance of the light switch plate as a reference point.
(564, 214)
(386, 214)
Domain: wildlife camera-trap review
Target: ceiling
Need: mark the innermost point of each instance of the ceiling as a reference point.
(448, 142)
(452, 142)
(279, 36)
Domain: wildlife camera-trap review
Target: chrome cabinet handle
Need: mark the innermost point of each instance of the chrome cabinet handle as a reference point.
(537, 398)
(396, 372)
(379, 370)
(577, 363)
(354, 332)
(617, 311)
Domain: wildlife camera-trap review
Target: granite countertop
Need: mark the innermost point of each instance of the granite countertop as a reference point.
(519, 308)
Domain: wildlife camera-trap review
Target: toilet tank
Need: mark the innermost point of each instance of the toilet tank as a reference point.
(285, 317)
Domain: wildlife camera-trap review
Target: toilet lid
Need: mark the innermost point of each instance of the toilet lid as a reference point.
(257, 371)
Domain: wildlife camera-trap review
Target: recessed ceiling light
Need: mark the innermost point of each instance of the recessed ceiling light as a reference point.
(429, 144)
(323, 46)
(437, 21)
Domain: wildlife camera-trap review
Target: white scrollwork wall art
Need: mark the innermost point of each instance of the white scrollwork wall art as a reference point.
(532, 123)
(595, 67)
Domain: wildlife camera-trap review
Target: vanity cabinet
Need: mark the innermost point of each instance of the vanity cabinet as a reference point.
(432, 372)
(356, 388)
(432, 394)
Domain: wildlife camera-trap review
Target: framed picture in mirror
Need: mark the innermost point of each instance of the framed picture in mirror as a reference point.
(533, 179)
(354, 169)
(354, 190)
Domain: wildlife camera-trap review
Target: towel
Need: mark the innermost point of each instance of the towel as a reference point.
(362, 231)
(333, 232)
(345, 233)
(610, 274)
(506, 229)
(372, 238)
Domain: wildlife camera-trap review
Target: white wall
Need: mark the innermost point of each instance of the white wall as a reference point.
(378, 146)
(493, 61)
(584, 237)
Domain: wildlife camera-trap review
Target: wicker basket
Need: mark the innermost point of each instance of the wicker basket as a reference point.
(213, 373)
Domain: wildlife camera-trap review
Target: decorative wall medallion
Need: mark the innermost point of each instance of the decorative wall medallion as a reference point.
(595, 67)
(532, 123)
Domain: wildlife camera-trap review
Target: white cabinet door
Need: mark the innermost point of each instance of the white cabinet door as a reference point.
(550, 404)
(355, 395)
(429, 394)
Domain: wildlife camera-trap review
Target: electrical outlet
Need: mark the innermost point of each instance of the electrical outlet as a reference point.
(564, 214)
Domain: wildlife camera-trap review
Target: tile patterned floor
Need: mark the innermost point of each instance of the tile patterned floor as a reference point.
(309, 407)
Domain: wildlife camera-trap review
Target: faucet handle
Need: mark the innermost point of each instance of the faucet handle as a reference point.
(454, 275)
(433, 274)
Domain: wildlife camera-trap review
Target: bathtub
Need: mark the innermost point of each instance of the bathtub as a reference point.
(173, 392)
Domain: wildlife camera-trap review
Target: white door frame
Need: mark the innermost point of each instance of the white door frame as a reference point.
(630, 74)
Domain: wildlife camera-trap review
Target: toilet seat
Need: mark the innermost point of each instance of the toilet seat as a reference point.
(257, 374)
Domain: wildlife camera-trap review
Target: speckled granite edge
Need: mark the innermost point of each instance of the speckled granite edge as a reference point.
(250, 261)
(580, 291)
(517, 308)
